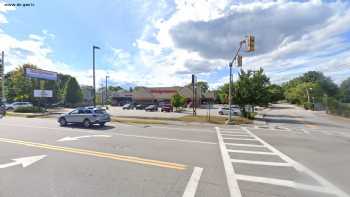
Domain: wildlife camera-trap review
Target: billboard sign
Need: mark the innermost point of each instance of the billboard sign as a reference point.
(41, 74)
(43, 93)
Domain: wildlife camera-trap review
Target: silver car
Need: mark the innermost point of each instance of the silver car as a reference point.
(16, 105)
(86, 116)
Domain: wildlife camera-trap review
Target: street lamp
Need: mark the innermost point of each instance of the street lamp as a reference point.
(93, 72)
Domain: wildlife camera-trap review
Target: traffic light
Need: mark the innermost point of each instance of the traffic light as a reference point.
(239, 61)
(251, 43)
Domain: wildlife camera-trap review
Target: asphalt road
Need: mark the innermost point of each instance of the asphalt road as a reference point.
(297, 153)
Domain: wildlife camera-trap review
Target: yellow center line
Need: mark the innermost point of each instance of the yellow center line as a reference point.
(131, 159)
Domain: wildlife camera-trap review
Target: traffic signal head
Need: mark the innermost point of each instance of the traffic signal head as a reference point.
(251, 43)
(239, 61)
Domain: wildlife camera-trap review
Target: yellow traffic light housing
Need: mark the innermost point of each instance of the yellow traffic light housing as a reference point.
(251, 43)
(239, 61)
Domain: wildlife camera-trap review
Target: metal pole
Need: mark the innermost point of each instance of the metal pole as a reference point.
(93, 75)
(193, 95)
(3, 98)
(106, 90)
(230, 95)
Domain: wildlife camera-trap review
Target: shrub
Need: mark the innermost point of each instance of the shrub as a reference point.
(33, 109)
(308, 105)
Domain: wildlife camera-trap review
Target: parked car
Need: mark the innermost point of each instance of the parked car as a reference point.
(86, 116)
(225, 111)
(166, 108)
(151, 108)
(128, 106)
(16, 105)
(2, 109)
(140, 106)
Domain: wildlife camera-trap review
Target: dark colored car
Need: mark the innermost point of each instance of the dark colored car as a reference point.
(140, 106)
(166, 108)
(152, 108)
(2, 109)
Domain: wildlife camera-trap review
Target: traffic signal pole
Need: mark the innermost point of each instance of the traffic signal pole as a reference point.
(251, 47)
(230, 84)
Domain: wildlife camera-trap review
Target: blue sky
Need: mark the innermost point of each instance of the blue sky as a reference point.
(160, 43)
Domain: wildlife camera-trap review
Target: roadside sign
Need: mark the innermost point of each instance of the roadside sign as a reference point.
(41, 74)
(43, 93)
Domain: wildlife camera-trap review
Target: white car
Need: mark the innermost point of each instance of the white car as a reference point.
(225, 110)
(16, 105)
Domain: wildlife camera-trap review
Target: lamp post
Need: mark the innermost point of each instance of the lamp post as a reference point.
(93, 73)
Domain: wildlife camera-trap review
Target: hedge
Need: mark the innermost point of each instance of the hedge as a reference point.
(33, 109)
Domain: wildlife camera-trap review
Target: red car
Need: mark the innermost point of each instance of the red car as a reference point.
(166, 108)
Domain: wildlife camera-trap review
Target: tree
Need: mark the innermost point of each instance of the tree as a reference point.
(203, 85)
(275, 93)
(114, 88)
(251, 89)
(344, 91)
(177, 101)
(72, 92)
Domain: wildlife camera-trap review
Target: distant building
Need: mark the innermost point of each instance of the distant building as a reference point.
(155, 95)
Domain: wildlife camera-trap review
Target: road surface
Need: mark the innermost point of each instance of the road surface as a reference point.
(297, 153)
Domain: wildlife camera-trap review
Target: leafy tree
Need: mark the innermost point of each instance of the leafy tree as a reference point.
(72, 92)
(114, 88)
(177, 101)
(344, 91)
(203, 85)
(276, 93)
(251, 89)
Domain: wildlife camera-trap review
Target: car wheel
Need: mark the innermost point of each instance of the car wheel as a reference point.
(86, 123)
(221, 113)
(102, 124)
(63, 122)
(10, 108)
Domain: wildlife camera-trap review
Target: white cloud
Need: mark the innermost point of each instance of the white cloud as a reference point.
(200, 37)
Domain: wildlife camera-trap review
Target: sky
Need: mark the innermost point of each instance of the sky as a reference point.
(163, 42)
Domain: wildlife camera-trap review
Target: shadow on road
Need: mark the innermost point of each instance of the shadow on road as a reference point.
(282, 116)
(93, 127)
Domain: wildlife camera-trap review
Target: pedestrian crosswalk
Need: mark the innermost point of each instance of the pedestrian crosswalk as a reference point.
(243, 155)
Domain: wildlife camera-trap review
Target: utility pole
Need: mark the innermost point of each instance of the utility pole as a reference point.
(106, 98)
(93, 73)
(194, 94)
(2, 75)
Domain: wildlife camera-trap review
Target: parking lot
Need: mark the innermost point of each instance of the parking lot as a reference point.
(168, 160)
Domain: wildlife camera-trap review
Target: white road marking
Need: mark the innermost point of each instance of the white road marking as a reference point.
(298, 166)
(251, 152)
(117, 134)
(167, 139)
(305, 131)
(282, 182)
(230, 172)
(236, 135)
(68, 138)
(246, 145)
(192, 184)
(236, 138)
(233, 132)
(24, 161)
(265, 163)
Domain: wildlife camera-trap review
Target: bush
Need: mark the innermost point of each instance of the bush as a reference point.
(308, 105)
(337, 108)
(33, 109)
